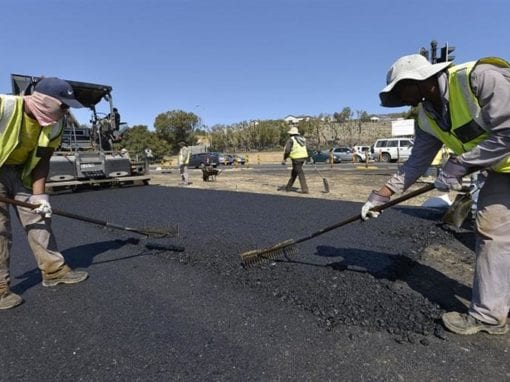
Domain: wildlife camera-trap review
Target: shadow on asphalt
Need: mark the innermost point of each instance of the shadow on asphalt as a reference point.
(465, 234)
(81, 256)
(431, 214)
(430, 283)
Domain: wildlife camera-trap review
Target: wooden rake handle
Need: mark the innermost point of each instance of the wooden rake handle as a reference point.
(70, 215)
(380, 208)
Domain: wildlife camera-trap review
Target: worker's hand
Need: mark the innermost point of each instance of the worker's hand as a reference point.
(450, 176)
(374, 200)
(43, 203)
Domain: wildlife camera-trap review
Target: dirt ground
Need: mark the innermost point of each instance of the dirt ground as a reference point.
(352, 185)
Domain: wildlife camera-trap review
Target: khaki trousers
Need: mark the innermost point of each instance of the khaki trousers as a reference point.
(183, 170)
(491, 285)
(38, 230)
(297, 172)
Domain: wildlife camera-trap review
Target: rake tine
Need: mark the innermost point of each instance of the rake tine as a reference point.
(259, 255)
(155, 233)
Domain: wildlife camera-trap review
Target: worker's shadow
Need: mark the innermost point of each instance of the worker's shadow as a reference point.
(429, 282)
(81, 256)
(465, 234)
(426, 213)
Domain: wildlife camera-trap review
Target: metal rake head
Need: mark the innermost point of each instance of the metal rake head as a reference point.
(258, 256)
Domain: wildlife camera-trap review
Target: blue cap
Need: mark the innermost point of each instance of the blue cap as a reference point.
(59, 89)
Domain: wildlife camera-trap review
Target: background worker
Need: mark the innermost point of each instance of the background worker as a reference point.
(184, 157)
(466, 107)
(116, 119)
(295, 149)
(31, 130)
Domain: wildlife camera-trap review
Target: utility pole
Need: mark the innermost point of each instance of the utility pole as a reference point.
(445, 53)
(433, 51)
(425, 53)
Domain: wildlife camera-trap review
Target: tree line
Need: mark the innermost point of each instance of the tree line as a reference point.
(341, 128)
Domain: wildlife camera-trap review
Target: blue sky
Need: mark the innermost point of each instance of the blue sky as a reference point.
(232, 61)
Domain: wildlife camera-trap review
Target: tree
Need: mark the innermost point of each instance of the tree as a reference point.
(344, 116)
(137, 138)
(362, 117)
(175, 126)
(312, 128)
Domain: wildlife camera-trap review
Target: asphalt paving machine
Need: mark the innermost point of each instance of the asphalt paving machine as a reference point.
(86, 156)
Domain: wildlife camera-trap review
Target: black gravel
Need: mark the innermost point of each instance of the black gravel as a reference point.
(355, 303)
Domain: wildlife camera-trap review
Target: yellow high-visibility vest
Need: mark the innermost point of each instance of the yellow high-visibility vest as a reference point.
(468, 127)
(11, 119)
(298, 151)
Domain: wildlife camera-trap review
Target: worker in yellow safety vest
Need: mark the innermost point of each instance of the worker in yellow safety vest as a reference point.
(467, 108)
(184, 158)
(295, 149)
(31, 128)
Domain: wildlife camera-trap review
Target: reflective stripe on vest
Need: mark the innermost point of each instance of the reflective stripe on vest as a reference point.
(468, 128)
(45, 140)
(298, 151)
(11, 115)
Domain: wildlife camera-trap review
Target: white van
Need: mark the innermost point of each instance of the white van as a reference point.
(393, 149)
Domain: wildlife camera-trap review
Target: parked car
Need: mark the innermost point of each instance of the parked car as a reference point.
(322, 156)
(223, 159)
(203, 159)
(393, 149)
(236, 158)
(361, 153)
(344, 153)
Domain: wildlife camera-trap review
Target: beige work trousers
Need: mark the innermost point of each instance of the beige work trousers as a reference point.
(38, 229)
(183, 170)
(490, 301)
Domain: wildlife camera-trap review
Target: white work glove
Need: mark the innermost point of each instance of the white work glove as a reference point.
(450, 176)
(43, 203)
(374, 200)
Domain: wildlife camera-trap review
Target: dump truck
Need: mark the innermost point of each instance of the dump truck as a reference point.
(86, 157)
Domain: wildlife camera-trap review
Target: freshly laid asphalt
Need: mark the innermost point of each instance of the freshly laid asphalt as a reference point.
(343, 308)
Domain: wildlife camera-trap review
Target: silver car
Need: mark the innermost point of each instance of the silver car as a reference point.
(343, 153)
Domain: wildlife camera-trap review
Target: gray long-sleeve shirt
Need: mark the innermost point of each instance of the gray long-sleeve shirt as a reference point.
(491, 86)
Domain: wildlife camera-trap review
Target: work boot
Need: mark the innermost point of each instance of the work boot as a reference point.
(71, 277)
(9, 300)
(465, 324)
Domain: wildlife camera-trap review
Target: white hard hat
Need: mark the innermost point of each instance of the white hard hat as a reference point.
(414, 67)
(293, 131)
